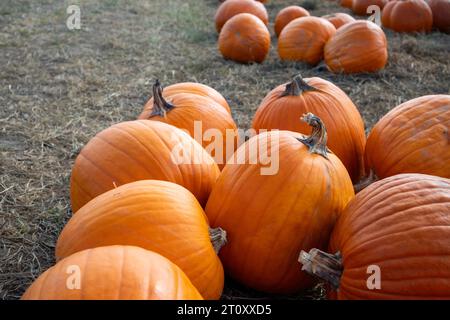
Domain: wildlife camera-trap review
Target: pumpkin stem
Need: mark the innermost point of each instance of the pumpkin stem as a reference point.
(296, 87)
(218, 238)
(160, 105)
(325, 266)
(317, 141)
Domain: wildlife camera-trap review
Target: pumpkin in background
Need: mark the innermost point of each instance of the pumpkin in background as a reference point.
(198, 115)
(441, 14)
(244, 38)
(346, 3)
(113, 273)
(282, 107)
(155, 215)
(230, 8)
(359, 7)
(400, 225)
(288, 14)
(272, 210)
(414, 137)
(140, 150)
(407, 16)
(303, 39)
(358, 46)
(339, 19)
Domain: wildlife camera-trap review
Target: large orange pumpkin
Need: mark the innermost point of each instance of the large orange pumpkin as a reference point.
(155, 215)
(230, 8)
(113, 273)
(414, 137)
(359, 7)
(283, 106)
(286, 15)
(198, 115)
(346, 3)
(396, 231)
(407, 16)
(244, 38)
(303, 39)
(339, 19)
(270, 215)
(441, 16)
(358, 46)
(139, 150)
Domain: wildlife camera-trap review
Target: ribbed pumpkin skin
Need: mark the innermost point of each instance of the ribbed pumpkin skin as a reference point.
(402, 225)
(339, 19)
(188, 87)
(412, 138)
(155, 215)
(346, 3)
(346, 137)
(358, 46)
(407, 16)
(303, 39)
(359, 7)
(286, 15)
(139, 150)
(230, 8)
(114, 273)
(270, 218)
(244, 38)
(441, 17)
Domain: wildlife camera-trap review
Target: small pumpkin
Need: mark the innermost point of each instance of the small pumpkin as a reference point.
(441, 16)
(359, 7)
(339, 19)
(155, 215)
(413, 137)
(198, 115)
(113, 273)
(281, 108)
(303, 39)
(139, 150)
(288, 14)
(346, 3)
(397, 231)
(230, 8)
(270, 215)
(407, 16)
(358, 46)
(244, 38)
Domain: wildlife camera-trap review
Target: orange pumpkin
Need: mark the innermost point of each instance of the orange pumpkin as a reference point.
(139, 150)
(407, 16)
(155, 215)
(270, 218)
(359, 7)
(346, 3)
(230, 8)
(198, 115)
(441, 16)
(303, 39)
(113, 273)
(339, 19)
(244, 38)
(288, 14)
(282, 107)
(412, 138)
(358, 46)
(397, 231)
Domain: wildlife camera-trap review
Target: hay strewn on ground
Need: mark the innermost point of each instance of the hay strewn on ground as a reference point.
(59, 87)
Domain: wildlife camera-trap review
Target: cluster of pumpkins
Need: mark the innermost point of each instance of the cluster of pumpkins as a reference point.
(345, 44)
(145, 226)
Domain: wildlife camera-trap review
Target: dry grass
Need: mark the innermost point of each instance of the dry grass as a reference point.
(59, 87)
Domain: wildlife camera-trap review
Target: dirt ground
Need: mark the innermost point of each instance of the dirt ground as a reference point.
(59, 87)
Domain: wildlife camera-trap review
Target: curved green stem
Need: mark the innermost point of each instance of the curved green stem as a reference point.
(317, 141)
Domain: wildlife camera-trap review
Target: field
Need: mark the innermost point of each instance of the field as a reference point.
(58, 87)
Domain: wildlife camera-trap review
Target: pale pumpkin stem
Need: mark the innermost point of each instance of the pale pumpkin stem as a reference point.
(160, 105)
(325, 266)
(218, 238)
(317, 141)
(297, 86)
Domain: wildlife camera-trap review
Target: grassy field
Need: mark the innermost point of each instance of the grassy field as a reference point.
(59, 87)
